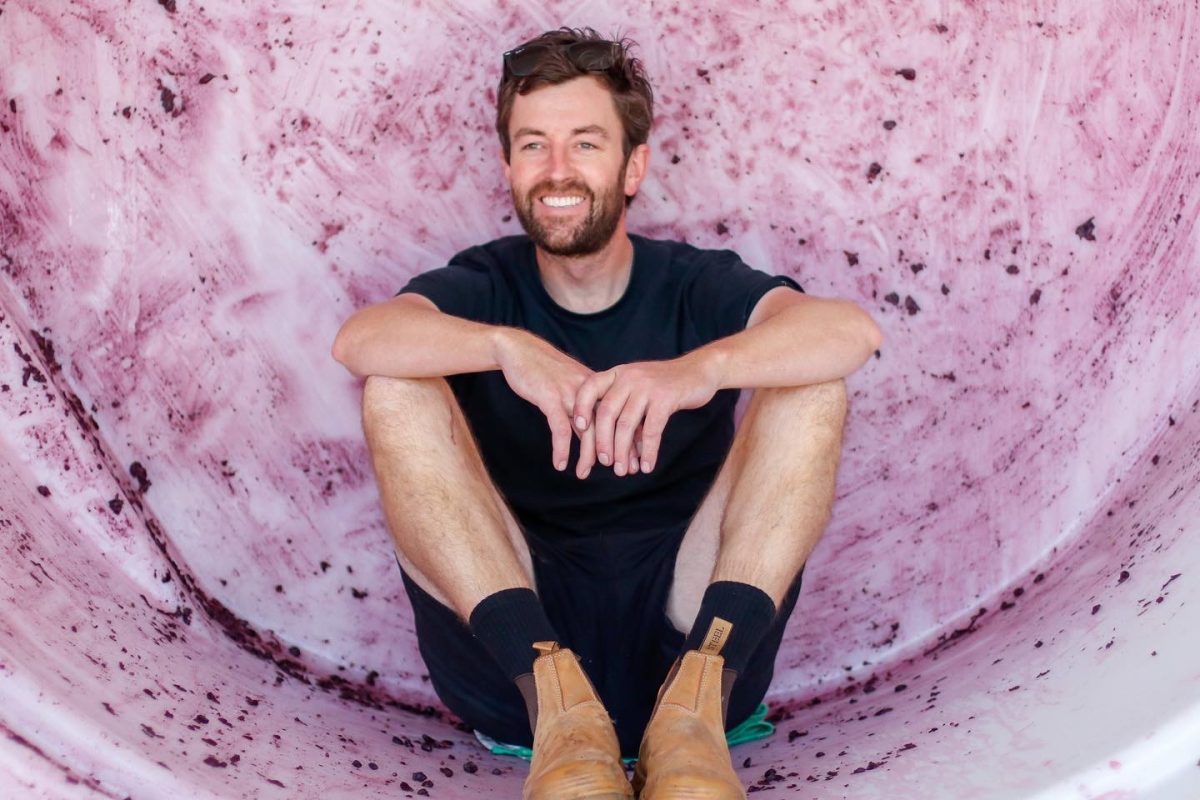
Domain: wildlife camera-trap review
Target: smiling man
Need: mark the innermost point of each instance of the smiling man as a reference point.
(599, 564)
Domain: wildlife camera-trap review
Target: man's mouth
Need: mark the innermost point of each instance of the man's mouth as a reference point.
(562, 201)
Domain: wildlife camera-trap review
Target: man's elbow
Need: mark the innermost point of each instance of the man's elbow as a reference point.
(874, 332)
(861, 327)
(342, 349)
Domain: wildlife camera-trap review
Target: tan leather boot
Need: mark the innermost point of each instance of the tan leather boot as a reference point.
(575, 750)
(684, 753)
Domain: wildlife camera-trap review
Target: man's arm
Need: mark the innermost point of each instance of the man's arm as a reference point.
(408, 337)
(792, 339)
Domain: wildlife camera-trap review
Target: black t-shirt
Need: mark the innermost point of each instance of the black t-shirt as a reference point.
(678, 299)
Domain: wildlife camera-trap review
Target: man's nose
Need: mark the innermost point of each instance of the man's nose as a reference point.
(560, 165)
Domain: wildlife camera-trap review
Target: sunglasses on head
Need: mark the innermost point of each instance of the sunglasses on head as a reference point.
(593, 56)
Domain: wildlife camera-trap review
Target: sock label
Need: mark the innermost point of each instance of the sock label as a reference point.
(718, 634)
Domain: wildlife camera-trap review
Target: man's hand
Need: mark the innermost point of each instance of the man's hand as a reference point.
(548, 378)
(635, 401)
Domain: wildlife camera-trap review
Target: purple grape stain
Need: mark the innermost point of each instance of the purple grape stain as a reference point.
(1087, 230)
(138, 471)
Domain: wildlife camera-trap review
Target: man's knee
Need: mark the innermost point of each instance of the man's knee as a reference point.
(391, 400)
(829, 401)
(821, 403)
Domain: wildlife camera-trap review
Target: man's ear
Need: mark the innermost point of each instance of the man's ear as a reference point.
(635, 170)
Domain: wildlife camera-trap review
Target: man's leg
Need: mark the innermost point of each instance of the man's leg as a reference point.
(454, 534)
(453, 531)
(458, 541)
(739, 563)
(770, 501)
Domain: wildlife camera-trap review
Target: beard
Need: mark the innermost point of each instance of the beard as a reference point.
(582, 238)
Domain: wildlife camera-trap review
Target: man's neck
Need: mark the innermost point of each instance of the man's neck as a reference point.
(592, 283)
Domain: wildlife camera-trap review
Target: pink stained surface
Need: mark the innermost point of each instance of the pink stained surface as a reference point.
(199, 596)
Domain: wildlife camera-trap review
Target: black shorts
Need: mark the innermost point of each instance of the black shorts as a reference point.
(606, 596)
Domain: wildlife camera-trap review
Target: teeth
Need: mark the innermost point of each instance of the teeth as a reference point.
(562, 202)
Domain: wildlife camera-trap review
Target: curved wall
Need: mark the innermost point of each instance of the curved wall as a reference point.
(199, 598)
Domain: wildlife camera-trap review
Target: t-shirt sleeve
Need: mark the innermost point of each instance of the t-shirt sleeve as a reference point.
(459, 289)
(723, 292)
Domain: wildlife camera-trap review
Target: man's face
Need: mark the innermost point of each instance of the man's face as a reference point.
(568, 174)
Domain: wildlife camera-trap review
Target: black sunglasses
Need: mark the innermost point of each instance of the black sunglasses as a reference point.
(593, 56)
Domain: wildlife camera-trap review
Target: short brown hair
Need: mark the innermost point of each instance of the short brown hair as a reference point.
(626, 81)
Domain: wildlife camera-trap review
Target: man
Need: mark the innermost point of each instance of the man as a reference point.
(626, 575)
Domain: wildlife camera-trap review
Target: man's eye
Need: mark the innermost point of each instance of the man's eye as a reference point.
(587, 145)
(531, 146)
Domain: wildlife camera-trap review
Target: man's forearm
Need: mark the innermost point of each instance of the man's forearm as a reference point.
(409, 341)
(800, 345)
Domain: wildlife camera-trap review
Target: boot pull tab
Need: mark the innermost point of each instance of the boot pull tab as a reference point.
(718, 634)
(545, 648)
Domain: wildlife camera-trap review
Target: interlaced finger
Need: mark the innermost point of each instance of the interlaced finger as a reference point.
(607, 413)
(560, 438)
(651, 437)
(627, 424)
(587, 452)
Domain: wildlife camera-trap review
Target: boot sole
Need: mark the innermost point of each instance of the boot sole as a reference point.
(580, 790)
(601, 796)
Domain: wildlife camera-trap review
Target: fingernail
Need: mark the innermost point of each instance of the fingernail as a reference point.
(647, 466)
(586, 472)
(562, 465)
(633, 463)
(580, 422)
(619, 468)
(604, 459)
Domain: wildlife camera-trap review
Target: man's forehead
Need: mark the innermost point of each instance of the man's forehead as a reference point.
(570, 107)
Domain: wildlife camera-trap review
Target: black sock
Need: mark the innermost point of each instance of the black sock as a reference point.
(749, 612)
(508, 623)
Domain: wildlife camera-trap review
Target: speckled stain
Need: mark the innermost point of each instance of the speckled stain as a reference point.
(194, 198)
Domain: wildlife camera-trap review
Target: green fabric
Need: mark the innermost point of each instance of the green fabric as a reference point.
(755, 727)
